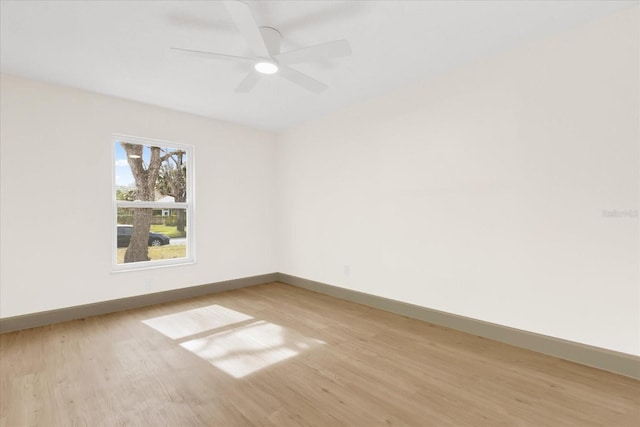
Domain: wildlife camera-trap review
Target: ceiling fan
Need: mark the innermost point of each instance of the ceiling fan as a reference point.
(264, 43)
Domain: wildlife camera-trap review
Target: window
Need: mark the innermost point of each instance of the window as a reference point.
(152, 203)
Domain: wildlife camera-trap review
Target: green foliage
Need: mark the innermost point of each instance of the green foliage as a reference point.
(125, 219)
(126, 194)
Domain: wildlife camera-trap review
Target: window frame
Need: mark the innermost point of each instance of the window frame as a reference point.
(188, 206)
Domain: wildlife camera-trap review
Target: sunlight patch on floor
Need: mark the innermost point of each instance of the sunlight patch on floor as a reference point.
(248, 348)
(191, 322)
(235, 343)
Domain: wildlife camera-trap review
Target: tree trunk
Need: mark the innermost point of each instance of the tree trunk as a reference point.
(138, 249)
(145, 178)
(180, 220)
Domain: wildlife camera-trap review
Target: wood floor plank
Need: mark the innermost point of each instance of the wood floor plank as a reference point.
(277, 355)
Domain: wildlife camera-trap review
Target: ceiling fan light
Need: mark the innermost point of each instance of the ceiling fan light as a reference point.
(266, 67)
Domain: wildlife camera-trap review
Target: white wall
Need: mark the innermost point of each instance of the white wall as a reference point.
(482, 193)
(479, 193)
(56, 197)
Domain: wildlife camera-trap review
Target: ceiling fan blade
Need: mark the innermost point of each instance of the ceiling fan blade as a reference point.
(246, 23)
(312, 53)
(302, 79)
(248, 82)
(211, 55)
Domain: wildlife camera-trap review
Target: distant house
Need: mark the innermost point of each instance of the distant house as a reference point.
(165, 199)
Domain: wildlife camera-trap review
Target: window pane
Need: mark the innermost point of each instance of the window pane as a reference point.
(170, 183)
(166, 238)
(151, 188)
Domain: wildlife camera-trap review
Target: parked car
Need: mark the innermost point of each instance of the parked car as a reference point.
(125, 232)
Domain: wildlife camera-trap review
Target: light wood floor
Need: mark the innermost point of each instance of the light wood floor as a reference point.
(276, 355)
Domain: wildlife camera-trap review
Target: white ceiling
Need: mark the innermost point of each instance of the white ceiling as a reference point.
(121, 48)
